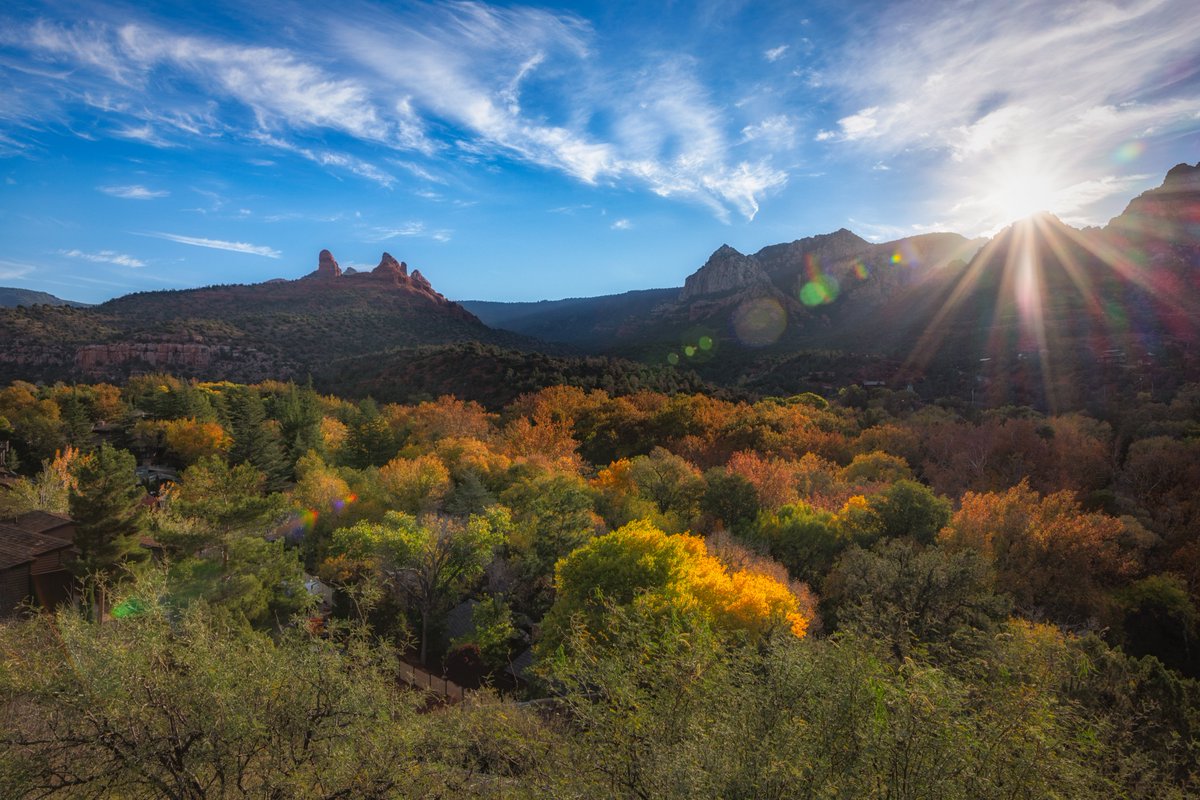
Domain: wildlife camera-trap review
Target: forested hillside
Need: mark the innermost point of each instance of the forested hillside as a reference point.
(662, 595)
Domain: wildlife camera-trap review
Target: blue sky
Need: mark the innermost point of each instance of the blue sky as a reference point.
(518, 152)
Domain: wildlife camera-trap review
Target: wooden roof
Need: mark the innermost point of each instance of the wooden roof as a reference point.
(38, 521)
(19, 546)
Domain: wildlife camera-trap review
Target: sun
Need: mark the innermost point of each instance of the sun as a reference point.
(1019, 192)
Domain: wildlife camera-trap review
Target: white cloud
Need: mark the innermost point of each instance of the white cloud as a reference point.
(406, 229)
(105, 257)
(621, 225)
(14, 270)
(466, 64)
(218, 244)
(492, 82)
(775, 53)
(860, 125)
(329, 158)
(134, 192)
(778, 131)
(1061, 85)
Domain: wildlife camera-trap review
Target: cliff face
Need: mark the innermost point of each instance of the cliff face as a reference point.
(119, 358)
(726, 271)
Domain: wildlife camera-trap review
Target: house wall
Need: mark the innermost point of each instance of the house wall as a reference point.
(14, 588)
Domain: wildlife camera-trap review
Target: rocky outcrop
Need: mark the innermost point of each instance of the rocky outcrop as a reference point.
(726, 271)
(327, 267)
(421, 282)
(390, 267)
(1168, 212)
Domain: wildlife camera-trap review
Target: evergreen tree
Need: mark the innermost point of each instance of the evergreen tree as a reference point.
(372, 443)
(299, 413)
(77, 425)
(255, 440)
(106, 505)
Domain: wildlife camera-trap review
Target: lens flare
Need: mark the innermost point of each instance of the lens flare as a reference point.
(1129, 152)
(129, 608)
(860, 270)
(759, 322)
(822, 291)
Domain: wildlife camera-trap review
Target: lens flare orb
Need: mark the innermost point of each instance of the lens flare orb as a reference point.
(759, 322)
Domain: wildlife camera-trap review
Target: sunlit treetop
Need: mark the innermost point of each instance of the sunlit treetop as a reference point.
(639, 564)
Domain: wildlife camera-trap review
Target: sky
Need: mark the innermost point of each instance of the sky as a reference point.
(525, 152)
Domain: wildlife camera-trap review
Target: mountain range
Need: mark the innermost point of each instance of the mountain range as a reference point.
(1042, 313)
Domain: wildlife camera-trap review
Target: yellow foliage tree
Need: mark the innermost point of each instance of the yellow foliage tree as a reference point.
(417, 485)
(639, 564)
(191, 440)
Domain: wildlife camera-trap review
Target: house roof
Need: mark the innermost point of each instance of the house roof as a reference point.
(38, 521)
(18, 546)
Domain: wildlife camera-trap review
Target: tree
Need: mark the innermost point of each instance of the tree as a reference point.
(222, 503)
(429, 561)
(175, 704)
(729, 499)
(261, 583)
(255, 440)
(1052, 558)
(639, 565)
(804, 539)
(912, 597)
(106, 505)
(49, 490)
(190, 440)
(417, 485)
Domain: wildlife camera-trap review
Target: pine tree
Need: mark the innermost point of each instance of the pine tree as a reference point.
(106, 505)
(255, 441)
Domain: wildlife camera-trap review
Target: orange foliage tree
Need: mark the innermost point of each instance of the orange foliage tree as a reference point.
(1053, 558)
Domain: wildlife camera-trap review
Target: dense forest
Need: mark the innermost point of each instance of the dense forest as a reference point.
(646, 595)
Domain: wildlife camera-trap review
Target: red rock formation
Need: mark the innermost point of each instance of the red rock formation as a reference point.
(327, 267)
(390, 267)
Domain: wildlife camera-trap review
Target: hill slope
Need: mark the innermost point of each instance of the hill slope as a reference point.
(11, 297)
(278, 329)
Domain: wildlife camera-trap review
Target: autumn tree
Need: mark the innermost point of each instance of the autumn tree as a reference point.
(416, 485)
(640, 565)
(1049, 555)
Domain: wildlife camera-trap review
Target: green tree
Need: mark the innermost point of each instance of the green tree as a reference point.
(106, 505)
(431, 562)
(730, 500)
(913, 597)
(218, 504)
(255, 440)
(175, 704)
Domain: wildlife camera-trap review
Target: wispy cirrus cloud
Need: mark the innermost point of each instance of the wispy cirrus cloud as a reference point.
(134, 192)
(383, 233)
(329, 158)
(443, 82)
(105, 257)
(467, 65)
(775, 53)
(1056, 87)
(218, 244)
(14, 270)
(621, 225)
